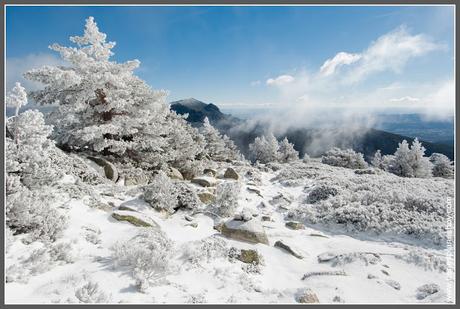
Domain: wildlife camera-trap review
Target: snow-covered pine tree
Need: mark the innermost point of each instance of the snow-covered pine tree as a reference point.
(103, 107)
(401, 163)
(422, 167)
(29, 169)
(16, 98)
(215, 145)
(28, 151)
(286, 152)
(218, 147)
(264, 149)
(377, 160)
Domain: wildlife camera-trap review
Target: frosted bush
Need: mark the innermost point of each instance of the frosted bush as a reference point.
(147, 255)
(407, 161)
(427, 261)
(320, 192)
(187, 197)
(306, 158)
(196, 299)
(160, 194)
(413, 208)
(62, 252)
(190, 169)
(90, 293)
(426, 290)
(344, 158)
(286, 151)
(264, 149)
(205, 250)
(442, 166)
(32, 212)
(227, 194)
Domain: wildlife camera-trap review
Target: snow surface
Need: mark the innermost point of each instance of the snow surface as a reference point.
(220, 280)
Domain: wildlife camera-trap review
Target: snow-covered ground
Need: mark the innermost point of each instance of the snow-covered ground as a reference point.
(367, 268)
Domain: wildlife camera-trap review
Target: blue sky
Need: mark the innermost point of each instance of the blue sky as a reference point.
(234, 56)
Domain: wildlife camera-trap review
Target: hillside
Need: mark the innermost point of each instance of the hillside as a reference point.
(299, 250)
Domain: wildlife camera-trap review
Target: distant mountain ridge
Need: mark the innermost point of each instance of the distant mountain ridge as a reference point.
(197, 111)
(311, 141)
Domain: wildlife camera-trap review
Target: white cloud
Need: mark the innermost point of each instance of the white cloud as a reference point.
(280, 80)
(405, 99)
(440, 103)
(390, 52)
(17, 66)
(342, 58)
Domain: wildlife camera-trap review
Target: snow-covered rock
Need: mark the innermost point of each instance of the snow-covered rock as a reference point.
(205, 181)
(307, 296)
(291, 249)
(250, 231)
(231, 173)
(134, 218)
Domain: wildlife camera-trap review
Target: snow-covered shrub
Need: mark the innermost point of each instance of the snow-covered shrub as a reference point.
(286, 151)
(264, 149)
(196, 299)
(205, 250)
(321, 192)
(190, 169)
(306, 158)
(409, 161)
(32, 212)
(62, 252)
(227, 194)
(412, 208)
(147, 255)
(90, 293)
(344, 158)
(105, 108)
(160, 194)
(427, 261)
(442, 166)
(186, 196)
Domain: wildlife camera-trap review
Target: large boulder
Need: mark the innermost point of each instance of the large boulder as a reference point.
(110, 170)
(204, 181)
(231, 173)
(250, 231)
